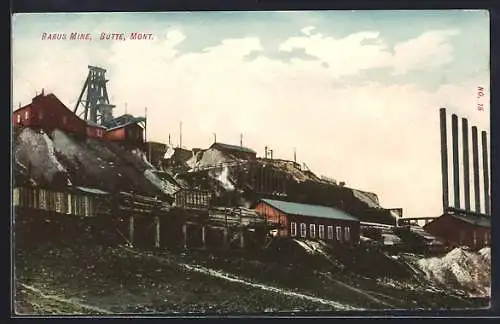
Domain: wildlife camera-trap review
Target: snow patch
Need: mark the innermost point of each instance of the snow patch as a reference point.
(52, 153)
(224, 179)
(231, 278)
(165, 186)
(208, 158)
(460, 269)
(35, 150)
(169, 153)
(143, 157)
(313, 247)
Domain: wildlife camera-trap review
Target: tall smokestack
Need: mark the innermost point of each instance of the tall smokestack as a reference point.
(456, 170)
(295, 155)
(241, 140)
(444, 158)
(465, 147)
(475, 166)
(265, 152)
(486, 176)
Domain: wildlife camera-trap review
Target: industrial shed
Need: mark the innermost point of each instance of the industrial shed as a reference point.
(95, 130)
(461, 230)
(310, 221)
(131, 133)
(48, 112)
(239, 152)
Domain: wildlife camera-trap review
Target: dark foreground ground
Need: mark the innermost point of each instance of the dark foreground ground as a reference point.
(98, 279)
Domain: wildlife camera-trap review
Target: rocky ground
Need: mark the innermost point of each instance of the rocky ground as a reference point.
(97, 279)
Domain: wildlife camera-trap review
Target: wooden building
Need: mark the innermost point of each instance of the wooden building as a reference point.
(240, 152)
(77, 201)
(459, 229)
(131, 133)
(310, 221)
(191, 198)
(155, 152)
(95, 131)
(48, 112)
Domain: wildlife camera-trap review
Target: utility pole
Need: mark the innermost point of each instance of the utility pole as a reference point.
(241, 140)
(180, 135)
(146, 124)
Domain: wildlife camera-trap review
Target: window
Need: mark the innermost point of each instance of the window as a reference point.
(474, 238)
(330, 232)
(293, 229)
(18, 118)
(40, 115)
(347, 233)
(339, 233)
(312, 230)
(303, 230)
(15, 198)
(321, 231)
(485, 238)
(26, 114)
(70, 204)
(64, 119)
(58, 202)
(43, 199)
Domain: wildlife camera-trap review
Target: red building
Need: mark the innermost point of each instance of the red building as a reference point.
(130, 133)
(461, 230)
(48, 112)
(95, 131)
(310, 221)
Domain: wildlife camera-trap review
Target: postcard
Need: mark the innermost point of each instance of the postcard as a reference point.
(250, 162)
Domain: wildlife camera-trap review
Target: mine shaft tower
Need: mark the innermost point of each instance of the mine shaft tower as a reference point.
(95, 107)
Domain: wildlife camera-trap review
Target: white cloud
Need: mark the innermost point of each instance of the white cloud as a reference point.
(427, 50)
(366, 50)
(307, 30)
(374, 137)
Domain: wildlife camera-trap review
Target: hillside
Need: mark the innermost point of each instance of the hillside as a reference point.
(70, 267)
(88, 278)
(56, 158)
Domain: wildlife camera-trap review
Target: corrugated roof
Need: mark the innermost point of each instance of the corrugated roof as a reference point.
(233, 147)
(92, 190)
(121, 126)
(293, 208)
(475, 220)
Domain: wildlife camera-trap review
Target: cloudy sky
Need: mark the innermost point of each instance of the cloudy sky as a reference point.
(357, 93)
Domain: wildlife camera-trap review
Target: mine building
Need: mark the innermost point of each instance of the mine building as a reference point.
(313, 222)
(192, 198)
(76, 201)
(130, 133)
(463, 223)
(48, 112)
(95, 130)
(461, 229)
(239, 152)
(155, 152)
